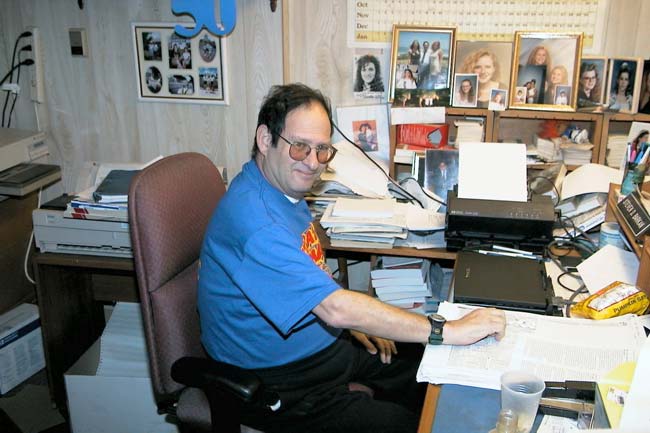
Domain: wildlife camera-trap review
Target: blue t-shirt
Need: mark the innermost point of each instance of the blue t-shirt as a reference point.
(262, 272)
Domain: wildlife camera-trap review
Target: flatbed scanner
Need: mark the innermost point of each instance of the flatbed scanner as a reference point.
(524, 225)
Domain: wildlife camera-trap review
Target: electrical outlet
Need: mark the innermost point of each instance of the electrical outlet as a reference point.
(36, 77)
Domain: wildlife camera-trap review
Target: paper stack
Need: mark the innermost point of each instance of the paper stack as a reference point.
(616, 147)
(83, 206)
(363, 223)
(468, 131)
(574, 153)
(401, 281)
(547, 150)
(375, 223)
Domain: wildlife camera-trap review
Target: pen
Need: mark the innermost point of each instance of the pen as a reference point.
(511, 250)
(507, 254)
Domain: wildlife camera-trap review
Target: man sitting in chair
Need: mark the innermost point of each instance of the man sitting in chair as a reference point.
(268, 302)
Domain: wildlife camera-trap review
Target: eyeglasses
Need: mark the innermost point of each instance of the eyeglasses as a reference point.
(300, 151)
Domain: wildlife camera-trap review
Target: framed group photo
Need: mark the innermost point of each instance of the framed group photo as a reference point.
(421, 65)
(546, 68)
(624, 86)
(491, 61)
(172, 68)
(592, 83)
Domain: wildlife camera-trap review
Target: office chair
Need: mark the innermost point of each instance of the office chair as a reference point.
(170, 204)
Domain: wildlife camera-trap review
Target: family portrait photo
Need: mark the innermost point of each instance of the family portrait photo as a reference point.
(491, 61)
(544, 64)
(421, 62)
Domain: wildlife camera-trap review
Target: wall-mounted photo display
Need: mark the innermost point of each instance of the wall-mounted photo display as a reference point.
(546, 64)
(592, 83)
(490, 61)
(172, 68)
(465, 90)
(644, 98)
(624, 85)
(421, 65)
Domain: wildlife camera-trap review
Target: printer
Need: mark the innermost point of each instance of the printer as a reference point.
(54, 233)
(524, 225)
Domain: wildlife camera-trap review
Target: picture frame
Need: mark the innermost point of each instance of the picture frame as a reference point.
(498, 98)
(172, 68)
(431, 67)
(592, 82)
(367, 127)
(541, 63)
(644, 97)
(490, 60)
(627, 71)
(465, 90)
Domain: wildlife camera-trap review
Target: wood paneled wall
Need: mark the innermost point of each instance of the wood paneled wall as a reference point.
(91, 111)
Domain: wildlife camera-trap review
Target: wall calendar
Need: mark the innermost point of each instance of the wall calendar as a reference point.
(370, 22)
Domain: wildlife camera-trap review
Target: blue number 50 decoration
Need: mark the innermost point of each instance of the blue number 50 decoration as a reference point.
(203, 13)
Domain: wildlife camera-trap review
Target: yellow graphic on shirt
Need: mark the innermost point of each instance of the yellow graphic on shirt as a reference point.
(312, 247)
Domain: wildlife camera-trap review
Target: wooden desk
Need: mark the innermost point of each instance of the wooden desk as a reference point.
(70, 289)
(429, 408)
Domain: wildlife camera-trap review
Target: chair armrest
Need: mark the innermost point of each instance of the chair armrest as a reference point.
(204, 373)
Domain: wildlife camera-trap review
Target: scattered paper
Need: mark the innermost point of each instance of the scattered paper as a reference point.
(607, 265)
(589, 178)
(492, 171)
(353, 169)
(553, 348)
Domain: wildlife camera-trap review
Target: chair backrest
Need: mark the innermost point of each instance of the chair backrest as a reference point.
(170, 205)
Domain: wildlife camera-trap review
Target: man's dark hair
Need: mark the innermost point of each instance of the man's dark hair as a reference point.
(280, 101)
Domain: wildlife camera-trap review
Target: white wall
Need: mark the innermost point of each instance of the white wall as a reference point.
(91, 111)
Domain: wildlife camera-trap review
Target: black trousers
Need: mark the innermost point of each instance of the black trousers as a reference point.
(315, 397)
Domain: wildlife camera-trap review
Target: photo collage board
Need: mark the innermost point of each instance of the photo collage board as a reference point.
(172, 68)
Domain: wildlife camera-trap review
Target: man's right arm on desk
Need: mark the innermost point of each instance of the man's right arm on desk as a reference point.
(347, 309)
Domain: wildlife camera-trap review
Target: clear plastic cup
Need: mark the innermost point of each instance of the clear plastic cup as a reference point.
(521, 392)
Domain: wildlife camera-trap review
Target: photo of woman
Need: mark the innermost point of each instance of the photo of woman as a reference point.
(465, 90)
(644, 100)
(414, 53)
(490, 61)
(368, 75)
(539, 56)
(558, 77)
(407, 81)
(498, 100)
(621, 86)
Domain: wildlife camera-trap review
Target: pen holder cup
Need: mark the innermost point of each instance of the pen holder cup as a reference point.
(634, 175)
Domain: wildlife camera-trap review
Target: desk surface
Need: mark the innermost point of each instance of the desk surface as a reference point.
(429, 408)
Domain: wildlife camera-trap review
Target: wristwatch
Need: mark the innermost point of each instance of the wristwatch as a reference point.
(437, 324)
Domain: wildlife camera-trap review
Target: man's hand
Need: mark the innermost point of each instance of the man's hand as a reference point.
(386, 348)
(475, 326)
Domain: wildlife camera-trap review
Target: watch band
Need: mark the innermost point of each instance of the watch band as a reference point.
(437, 325)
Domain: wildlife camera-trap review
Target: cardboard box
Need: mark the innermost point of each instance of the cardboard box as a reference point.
(21, 346)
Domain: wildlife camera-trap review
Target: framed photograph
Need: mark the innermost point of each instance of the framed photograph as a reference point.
(592, 83)
(421, 65)
(490, 61)
(171, 68)
(498, 98)
(542, 62)
(369, 67)
(624, 86)
(465, 90)
(367, 127)
(644, 98)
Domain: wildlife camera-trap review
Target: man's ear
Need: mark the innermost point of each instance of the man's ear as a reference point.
(264, 139)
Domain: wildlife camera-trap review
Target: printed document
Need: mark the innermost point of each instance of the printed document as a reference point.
(553, 348)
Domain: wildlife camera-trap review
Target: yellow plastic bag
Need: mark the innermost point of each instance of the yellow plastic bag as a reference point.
(614, 300)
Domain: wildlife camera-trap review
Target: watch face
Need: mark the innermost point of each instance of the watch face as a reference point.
(438, 318)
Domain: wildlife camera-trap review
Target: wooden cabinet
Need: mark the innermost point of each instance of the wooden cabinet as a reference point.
(617, 123)
(640, 246)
